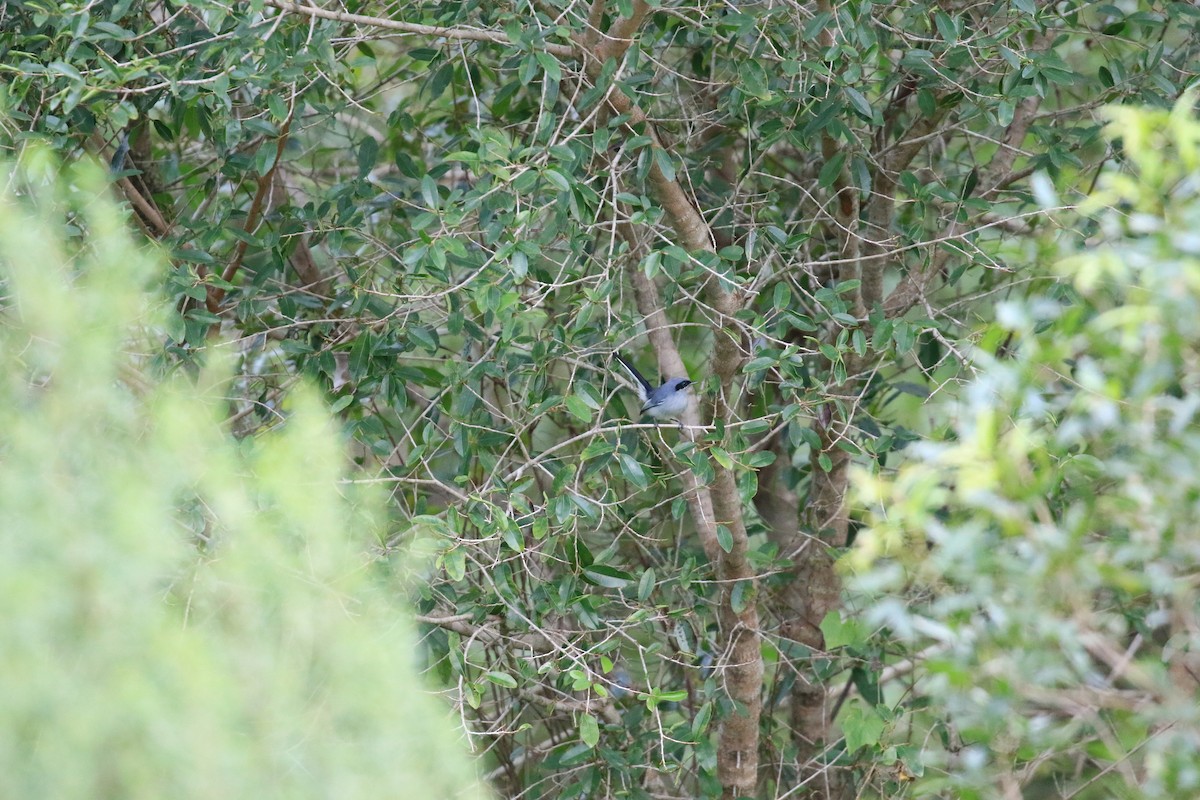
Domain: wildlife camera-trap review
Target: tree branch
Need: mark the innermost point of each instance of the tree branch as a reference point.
(618, 38)
(302, 260)
(882, 204)
(737, 759)
(914, 285)
(217, 293)
(459, 32)
(1010, 147)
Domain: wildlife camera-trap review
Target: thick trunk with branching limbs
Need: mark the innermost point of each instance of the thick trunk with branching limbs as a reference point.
(717, 506)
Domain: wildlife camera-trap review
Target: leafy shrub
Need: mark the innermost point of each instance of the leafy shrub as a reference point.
(183, 615)
(1051, 542)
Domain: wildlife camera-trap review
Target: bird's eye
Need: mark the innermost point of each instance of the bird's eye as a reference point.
(682, 385)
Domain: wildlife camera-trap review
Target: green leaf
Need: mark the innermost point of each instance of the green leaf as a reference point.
(682, 634)
(589, 730)
(664, 163)
(859, 103)
(501, 679)
(368, 151)
(722, 458)
(519, 265)
(858, 341)
(754, 79)
(203, 315)
(578, 408)
(264, 157)
(606, 576)
(946, 27)
(176, 327)
(926, 102)
(969, 184)
(1005, 110)
(646, 585)
(586, 506)
(815, 26)
(724, 538)
(740, 597)
(454, 561)
(632, 469)
(278, 108)
(557, 179)
(842, 633)
(425, 337)
(861, 173)
(867, 683)
(656, 697)
(440, 80)
(578, 554)
(511, 535)
(760, 458)
(429, 192)
(781, 295)
(908, 387)
(68, 70)
(597, 448)
(861, 726)
(759, 364)
(550, 65)
(652, 263)
(831, 170)
(192, 255)
(904, 335)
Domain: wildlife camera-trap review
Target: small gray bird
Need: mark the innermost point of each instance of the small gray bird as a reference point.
(668, 401)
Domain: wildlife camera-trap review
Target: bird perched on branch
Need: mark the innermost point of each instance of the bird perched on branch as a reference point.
(668, 401)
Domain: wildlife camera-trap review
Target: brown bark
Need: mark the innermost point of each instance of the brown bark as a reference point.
(737, 754)
(776, 502)
(718, 506)
(811, 540)
(815, 590)
(822, 527)
(301, 259)
(216, 294)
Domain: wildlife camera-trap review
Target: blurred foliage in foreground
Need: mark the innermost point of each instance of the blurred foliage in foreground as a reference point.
(255, 657)
(1044, 561)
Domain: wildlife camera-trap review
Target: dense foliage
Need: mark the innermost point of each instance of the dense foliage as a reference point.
(450, 214)
(185, 615)
(1053, 538)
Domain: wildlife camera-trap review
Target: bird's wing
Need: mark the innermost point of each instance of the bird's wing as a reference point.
(641, 384)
